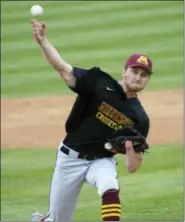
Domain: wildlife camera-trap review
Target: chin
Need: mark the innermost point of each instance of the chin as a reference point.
(139, 89)
(135, 88)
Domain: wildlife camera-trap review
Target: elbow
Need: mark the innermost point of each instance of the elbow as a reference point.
(133, 164)
(132, 169)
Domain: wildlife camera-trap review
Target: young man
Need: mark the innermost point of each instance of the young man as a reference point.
(103, 106)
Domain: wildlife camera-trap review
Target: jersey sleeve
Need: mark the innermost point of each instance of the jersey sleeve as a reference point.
(79, 72)
(86, 80)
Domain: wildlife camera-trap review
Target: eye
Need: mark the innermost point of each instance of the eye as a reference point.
(135, 71)
(144, 74)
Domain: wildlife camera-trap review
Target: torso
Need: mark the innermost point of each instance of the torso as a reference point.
(108, 110)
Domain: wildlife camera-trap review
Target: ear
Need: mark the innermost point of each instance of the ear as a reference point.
(123, 73)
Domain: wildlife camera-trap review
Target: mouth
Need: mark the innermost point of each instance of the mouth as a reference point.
(136, 83)
(136, 86)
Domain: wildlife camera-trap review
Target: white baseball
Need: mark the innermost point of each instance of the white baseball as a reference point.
(37, 10)
(108, 146)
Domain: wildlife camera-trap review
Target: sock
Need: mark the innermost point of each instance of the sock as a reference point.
(111, 207)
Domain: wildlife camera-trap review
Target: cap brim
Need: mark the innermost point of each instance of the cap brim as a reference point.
(141, 66)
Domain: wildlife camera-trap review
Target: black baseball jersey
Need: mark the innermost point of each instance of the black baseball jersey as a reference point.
(101, 107)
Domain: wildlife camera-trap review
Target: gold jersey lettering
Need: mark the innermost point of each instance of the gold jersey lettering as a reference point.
(107, 121)
(114, 114)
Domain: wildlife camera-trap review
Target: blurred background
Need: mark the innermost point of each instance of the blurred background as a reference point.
(88, 34)
(35, 102)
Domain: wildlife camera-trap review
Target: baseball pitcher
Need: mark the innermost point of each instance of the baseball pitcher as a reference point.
(107, 118)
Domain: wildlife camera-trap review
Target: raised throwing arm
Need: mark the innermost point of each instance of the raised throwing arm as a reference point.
(51, 54)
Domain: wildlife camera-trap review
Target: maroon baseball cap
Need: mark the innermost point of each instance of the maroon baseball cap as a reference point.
(139, 60)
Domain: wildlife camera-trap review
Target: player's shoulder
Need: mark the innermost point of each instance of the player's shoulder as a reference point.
(93, 70)
(103, 75)
(95, 74)
(98, 70)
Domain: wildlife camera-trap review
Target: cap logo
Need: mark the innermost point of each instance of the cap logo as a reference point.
(142, 60)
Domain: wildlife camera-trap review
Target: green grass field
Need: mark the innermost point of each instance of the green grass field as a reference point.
(96, 33)
(87, 34)
(154, 193)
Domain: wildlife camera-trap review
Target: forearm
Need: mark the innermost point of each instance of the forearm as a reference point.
(50, 53)
(133, 161)
(54, 58)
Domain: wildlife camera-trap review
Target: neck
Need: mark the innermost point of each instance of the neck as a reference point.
(129, 94)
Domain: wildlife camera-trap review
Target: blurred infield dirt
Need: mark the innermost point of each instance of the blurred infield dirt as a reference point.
(39, 122)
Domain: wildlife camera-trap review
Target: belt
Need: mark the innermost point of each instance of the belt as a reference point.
(80, 155)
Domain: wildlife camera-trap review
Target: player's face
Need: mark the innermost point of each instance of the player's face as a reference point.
(135, 78)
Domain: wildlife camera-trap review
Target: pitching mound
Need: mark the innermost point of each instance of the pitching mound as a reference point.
(39, 122)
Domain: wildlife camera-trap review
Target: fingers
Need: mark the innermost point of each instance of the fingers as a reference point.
(37, 26)
(38, 30)
(43, 26)
(32, 21)
(128, 145)
(35, 23)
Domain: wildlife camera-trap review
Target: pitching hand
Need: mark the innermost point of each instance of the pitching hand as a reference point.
(39, 30)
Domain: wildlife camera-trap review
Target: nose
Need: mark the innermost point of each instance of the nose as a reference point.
(138, 77)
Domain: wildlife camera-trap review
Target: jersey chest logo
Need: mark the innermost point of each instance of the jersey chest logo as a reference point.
(112, 117)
